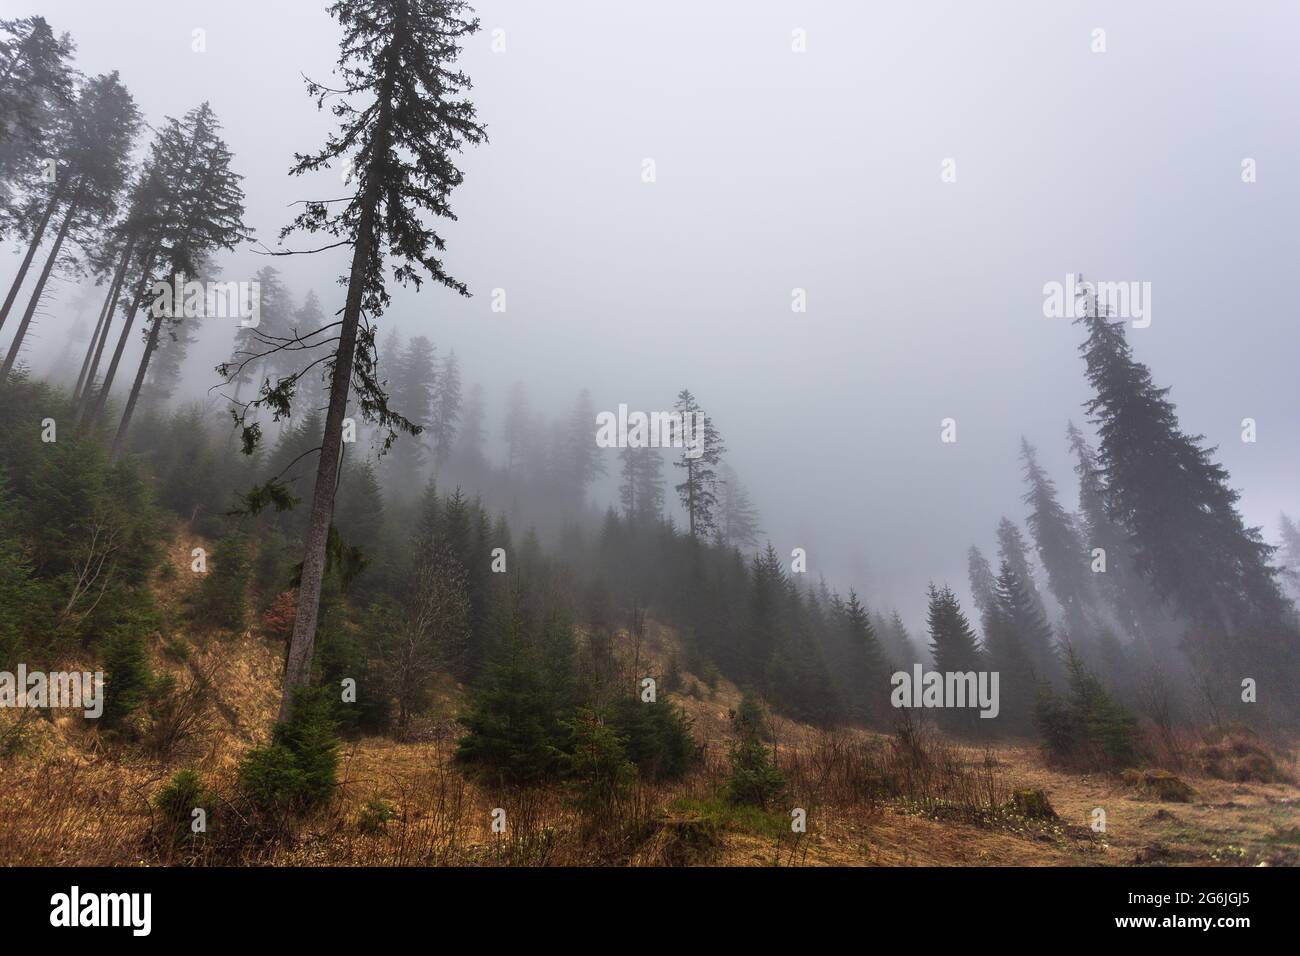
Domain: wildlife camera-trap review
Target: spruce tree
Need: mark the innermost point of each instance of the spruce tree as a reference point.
(36, 90)
(700, 456)
(755, 779)
(641, 491)
(473, 432)
(413, 389)
(186, 205)
(447, 410)
(955, 649)
(92, 152)
(397, 56)
(768, 610)
(208, 210)
(1019, 646)
(1014, 551)
(983, 586)
(253, 362)
(1290, 554)
(517, 427)
(737, 517)
(1123, 589)
(1060, 548)
(1165, 489)
(584, 462)
(359, 512)
(308, 323)
(868, 677)
(147, 205)
(165, 369)
(898, 642)
(953, 644)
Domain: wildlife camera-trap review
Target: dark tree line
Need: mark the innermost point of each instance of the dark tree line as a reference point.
(381, 566)
(1155, 576)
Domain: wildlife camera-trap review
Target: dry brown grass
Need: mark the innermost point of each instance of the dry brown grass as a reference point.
(69, 795)
(869, 801)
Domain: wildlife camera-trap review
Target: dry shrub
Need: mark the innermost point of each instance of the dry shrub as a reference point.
(1167, 746)
(178, 719)
(1238, 754)
(916, 766)
(838, 769)
(924, 769)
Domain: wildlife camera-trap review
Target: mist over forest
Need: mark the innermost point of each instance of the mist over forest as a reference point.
(967, 331)
(924, 302)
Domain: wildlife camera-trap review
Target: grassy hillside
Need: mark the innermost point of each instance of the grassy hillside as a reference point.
(73, 794)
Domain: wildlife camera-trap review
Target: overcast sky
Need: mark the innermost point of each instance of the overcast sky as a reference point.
(819, 170)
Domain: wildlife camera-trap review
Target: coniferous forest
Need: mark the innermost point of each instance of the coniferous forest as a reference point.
(313, 553)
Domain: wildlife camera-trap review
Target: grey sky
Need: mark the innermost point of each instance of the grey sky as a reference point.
(820, 170)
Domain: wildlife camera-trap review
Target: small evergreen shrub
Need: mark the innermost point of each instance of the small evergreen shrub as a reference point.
(750, 717)
(223, 597)
(516, 727)
(299, 769)
(755, 780)
(374, 817)
(176, 803)
(1087, 728)
(656, 737)
(271, 779)
(600, 775)
(128, 679)
(710, 674)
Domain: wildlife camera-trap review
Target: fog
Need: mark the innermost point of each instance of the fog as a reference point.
(778, 170)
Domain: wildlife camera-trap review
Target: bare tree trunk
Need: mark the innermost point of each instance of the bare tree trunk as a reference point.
(37, 236)
(151, 344)
(96, 348)
(690, 494)
(12, 355)
(90, 346)
(127, 412)
(298, 667)
(96, 407)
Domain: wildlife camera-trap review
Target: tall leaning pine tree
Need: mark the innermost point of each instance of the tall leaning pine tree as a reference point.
(36, 91)
(1060, 548)
(983, 586)
(93, 162)
(403, 116)
(1164, 488)
(1013, 550)
(1132, 602)
(207, 215)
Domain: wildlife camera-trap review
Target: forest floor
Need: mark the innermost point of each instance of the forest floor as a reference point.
(70, 796)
